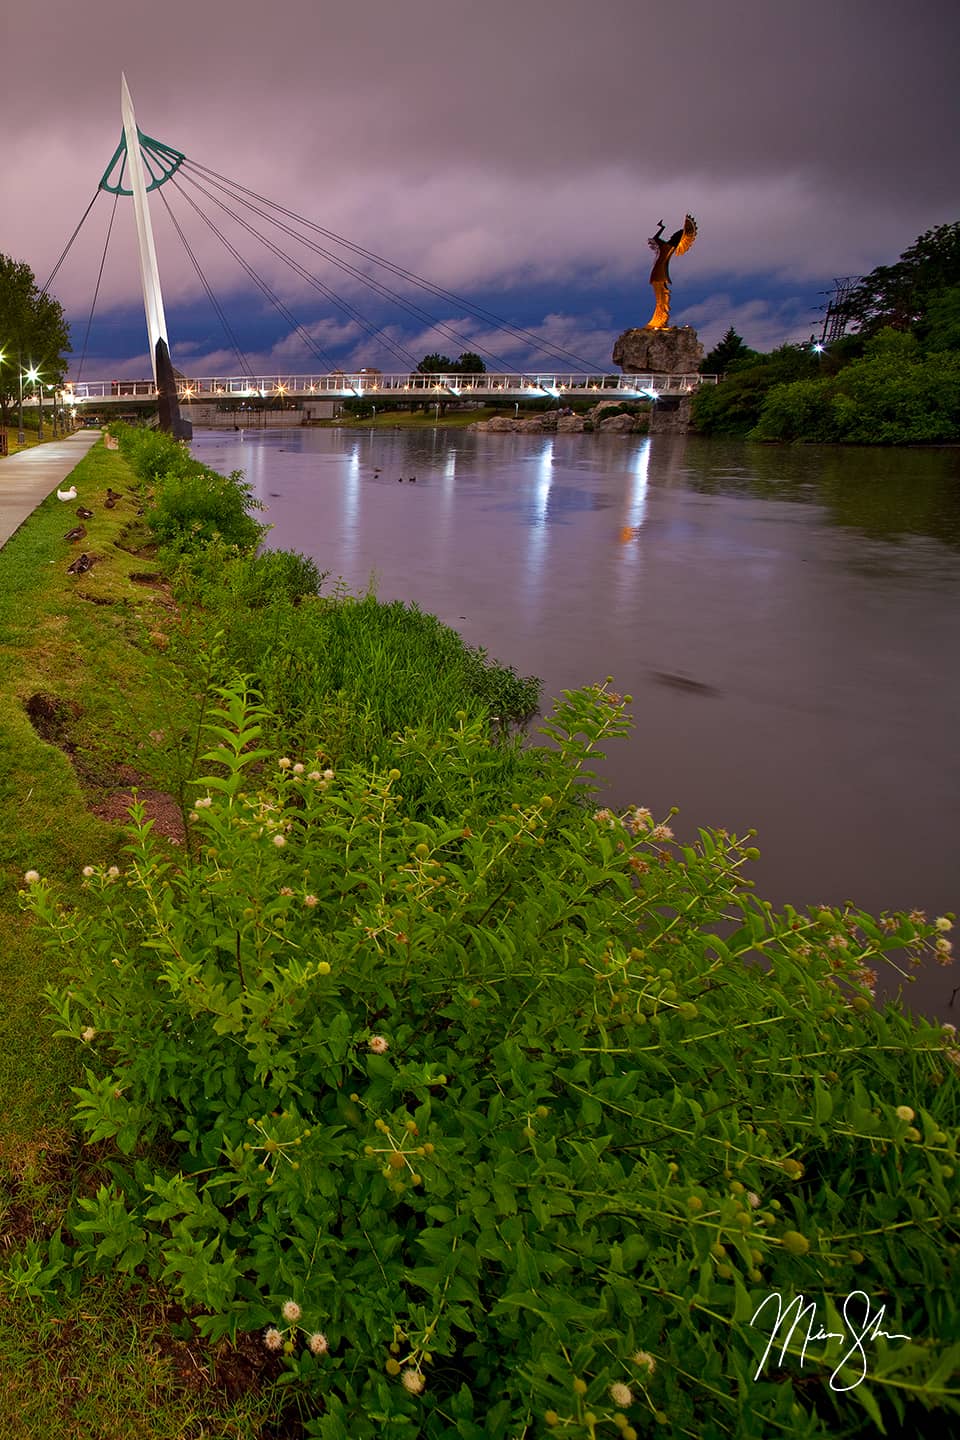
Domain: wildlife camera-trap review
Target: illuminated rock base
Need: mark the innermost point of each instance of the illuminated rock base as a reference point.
(675, 350)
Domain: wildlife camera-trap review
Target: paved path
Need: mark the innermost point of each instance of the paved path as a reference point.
(29, 476)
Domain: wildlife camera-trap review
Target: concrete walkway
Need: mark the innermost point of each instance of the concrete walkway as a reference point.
(29, 476)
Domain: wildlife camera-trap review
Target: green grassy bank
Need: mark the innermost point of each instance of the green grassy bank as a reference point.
(99, 1362)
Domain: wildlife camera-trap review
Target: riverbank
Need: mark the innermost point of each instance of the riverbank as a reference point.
(481, 921)
(82, 685)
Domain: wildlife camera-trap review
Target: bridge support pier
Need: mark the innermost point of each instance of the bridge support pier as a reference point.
(168, 405)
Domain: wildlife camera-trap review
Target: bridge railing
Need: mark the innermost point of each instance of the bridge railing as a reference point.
(366, 386)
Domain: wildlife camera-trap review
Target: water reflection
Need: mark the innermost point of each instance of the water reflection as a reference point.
(539, 527)
(884, 494)
(785, 618)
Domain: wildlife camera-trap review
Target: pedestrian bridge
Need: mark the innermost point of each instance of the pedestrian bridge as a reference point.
(365, 385)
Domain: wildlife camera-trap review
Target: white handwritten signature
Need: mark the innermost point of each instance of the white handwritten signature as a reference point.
(863, 1329)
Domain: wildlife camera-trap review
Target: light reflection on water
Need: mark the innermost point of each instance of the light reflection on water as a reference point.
(788, 620)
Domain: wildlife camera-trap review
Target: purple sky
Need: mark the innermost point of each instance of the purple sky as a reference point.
(517, 152)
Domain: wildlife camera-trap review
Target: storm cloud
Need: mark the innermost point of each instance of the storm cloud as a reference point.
(519, 153)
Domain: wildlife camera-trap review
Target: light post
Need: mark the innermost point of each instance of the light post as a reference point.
(20, 436)
(33, 376)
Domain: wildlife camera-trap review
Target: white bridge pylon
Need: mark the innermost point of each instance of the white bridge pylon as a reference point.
(149, 274)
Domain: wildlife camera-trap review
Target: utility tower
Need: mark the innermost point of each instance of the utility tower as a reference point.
(838, 308)
(128, 163)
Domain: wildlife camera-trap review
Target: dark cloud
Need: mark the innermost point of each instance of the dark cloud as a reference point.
(501, 148)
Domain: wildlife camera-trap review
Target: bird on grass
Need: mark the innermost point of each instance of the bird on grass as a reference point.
(83, 513)
(77, 533)
(81, 565)
(70, 494)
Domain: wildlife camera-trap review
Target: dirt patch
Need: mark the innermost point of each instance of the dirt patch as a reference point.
(158, 806)
(146, 577)
(53, 719)
(94, 599)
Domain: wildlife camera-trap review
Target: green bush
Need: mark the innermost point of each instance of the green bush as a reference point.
(513, 1122)
(734, 406)
(190, 505)
(893, 395)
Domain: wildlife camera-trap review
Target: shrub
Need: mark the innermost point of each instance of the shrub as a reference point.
(893, 395)
(192, 504)
(513, 1122)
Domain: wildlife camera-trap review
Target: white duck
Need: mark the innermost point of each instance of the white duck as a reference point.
(70, 494)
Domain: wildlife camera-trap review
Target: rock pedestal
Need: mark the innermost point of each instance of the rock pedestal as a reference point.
(675, 350)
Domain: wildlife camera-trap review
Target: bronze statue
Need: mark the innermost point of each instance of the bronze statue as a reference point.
(678, 244)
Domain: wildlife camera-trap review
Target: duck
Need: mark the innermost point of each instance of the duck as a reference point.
(413, 479)
(77, 533)
(83, 513)
(70, 494)
(109, 503)
(81, 565)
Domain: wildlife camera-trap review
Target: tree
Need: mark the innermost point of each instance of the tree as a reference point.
(894, 395)
(470, 364)
(725, 353)
(899, 295)
(435, 364)
(940, 328)
(733, 407)
(33, 332)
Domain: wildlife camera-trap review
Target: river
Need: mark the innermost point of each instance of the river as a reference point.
(786, 619)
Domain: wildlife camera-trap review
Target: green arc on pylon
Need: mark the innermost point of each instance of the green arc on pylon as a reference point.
(161, 161)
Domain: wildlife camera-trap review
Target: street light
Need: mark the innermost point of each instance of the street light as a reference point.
(20, 436)
(34, 377)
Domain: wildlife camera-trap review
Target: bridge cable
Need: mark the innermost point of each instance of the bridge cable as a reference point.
(244, 362)
(443, 327)
(66, 248)
(96, 292)
(372, 330)
(365, 279)
(262, 285)
(400, 271)
(398, 349)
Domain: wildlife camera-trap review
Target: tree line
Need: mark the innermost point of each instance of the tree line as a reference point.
(894, 379)
(33, 336)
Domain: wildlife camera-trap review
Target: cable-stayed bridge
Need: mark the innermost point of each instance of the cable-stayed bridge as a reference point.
(403, 388)
(141, 165)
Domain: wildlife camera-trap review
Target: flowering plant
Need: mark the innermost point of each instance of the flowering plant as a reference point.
(507, 1120)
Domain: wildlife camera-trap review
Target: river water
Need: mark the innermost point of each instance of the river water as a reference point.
(786, 619)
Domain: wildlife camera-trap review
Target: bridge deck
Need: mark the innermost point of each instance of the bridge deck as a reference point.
(432, 388)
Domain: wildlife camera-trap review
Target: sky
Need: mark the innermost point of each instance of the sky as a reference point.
(515, 153)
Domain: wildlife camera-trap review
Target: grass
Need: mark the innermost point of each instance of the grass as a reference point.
(104, 1364)
(30, 440)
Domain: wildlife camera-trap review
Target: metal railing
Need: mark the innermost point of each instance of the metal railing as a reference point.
(526, 385)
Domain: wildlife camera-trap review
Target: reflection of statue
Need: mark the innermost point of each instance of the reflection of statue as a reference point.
(678, 244)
